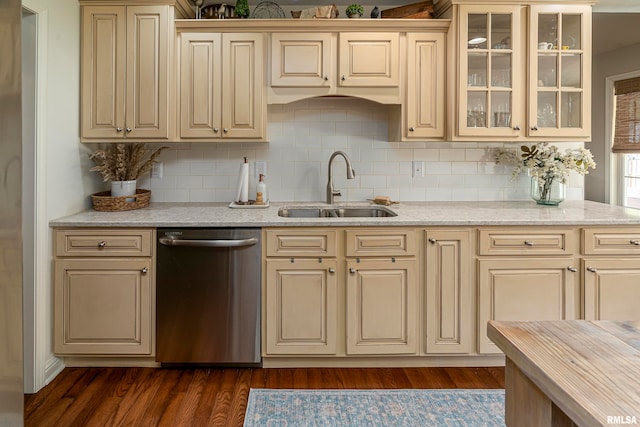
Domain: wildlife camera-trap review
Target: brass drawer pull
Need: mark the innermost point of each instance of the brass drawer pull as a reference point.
(102, 244)
(572, 269)
(591, 270)
(332, 270)
(432, 240)
(528, 242)
(352, 270)
(635, 242)
(144, 270)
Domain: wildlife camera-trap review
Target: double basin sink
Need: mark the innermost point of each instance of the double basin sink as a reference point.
(336, 212)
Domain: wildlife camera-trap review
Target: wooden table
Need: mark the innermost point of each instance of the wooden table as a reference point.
(570, 372)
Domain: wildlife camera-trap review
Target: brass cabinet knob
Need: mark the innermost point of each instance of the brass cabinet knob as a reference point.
(591, 270)
(352, 270)
(118, 130)
(332, 270)
(144, 270)
(102, 244)
(572, 269)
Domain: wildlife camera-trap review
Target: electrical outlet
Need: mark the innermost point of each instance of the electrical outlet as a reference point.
(157, 169)
(418, 169)
(260, 168)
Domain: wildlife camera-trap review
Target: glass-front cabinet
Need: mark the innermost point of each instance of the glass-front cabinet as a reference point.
(492, 84)
(560, 71)
(524, 72)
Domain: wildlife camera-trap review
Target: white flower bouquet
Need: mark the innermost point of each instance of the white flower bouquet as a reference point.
(546, 164)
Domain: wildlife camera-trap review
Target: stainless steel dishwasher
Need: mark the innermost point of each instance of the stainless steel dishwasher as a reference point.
(208, 296)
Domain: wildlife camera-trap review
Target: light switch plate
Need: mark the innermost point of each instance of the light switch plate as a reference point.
(417, 169)
(157, 169)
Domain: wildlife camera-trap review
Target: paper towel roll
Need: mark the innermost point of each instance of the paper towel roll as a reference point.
(243, 185)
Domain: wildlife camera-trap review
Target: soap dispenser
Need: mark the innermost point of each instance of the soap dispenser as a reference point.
(262, 188)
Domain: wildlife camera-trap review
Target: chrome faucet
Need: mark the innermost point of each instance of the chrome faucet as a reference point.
(351, 174)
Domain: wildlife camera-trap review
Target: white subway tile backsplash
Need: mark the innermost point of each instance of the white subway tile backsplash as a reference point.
(304, 134)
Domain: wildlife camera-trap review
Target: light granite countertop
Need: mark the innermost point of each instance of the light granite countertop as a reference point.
(409, 214)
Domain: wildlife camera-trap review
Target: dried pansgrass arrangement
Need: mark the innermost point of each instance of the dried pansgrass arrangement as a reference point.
(124, 162)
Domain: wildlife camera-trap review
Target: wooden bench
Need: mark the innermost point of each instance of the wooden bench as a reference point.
(570, 372)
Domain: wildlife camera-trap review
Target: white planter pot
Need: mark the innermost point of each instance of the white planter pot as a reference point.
(123, 188)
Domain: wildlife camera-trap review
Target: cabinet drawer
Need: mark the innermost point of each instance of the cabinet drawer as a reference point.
(301, 243)
(103, 243)
(381, 242)
(611, 241)
(525, 242)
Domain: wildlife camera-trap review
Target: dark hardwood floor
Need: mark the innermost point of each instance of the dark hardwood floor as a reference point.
(210, 397)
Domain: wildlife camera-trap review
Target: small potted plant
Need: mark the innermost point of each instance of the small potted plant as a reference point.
(242, 8)
(123, 164)
(354, 11)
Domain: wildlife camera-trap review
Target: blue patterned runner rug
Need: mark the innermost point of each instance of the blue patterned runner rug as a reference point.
(375, 408)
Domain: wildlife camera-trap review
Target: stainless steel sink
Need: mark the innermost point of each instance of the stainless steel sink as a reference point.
(336, 212)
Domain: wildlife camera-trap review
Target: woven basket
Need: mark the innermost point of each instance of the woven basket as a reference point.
(104, 202)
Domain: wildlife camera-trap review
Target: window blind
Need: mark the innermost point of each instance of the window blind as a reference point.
(626, 136)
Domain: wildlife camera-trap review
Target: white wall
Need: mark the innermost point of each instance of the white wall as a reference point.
(62, 178)
(302, 137)
(605, 65)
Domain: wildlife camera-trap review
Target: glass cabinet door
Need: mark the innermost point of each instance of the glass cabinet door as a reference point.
(489, 84)
(560, 81)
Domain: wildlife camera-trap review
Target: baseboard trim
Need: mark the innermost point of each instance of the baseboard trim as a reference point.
(53, 368)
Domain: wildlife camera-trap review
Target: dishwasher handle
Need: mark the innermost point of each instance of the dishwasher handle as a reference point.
(224, 243)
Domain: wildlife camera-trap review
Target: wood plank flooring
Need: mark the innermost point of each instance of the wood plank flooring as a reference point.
(210, 397)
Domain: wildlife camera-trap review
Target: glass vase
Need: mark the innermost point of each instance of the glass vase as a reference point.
(549, 192)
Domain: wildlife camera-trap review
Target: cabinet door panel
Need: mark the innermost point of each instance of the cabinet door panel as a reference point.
(147, 71)
(611, 289)
(425, 86)
(103, 306)
(301, 306)
(103, 71)
(369, 59)
(448, 285)
(560, 81)
(491, 84)
(524, 289)
(381, 306)
(301, 60)
(242, 89)
(200, 85)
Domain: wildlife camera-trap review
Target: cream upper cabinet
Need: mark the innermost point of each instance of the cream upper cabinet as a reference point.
(560, 66)
(425, 100)
(302, 60)
(126, 54)
(369, 59)
(492, 69)
(524, 71)
(221, 86)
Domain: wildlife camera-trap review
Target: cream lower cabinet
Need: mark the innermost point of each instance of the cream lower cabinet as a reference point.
(222, 85)
(611, 273)
(104, 292)
(125, 72)
(382, 300)
(449, 318)
(611, 288)
(525, 289)
(301, 306)
(526, 273)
